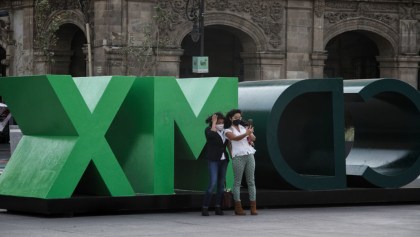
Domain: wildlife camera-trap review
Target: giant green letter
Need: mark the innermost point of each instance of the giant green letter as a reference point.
(300, 132)
(64, 122)
(385, 114)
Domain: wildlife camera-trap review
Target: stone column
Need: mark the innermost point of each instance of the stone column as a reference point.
(408, 69)
(115, 64)
(107, 34)
(408, 62)
(388, 67)
(318, 63)
(100, 38)
(168, 62)
(263, 66)
(22, 57)
(319, 55)
(408, 36)
(299, 38)
(41, 65)
(402, 67)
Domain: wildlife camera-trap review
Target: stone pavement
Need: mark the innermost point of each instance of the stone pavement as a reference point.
(372, 221)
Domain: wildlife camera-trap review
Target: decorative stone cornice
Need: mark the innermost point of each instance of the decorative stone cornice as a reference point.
(408, 11)
(65, 5)
(267, 14)
(338, 11)
(174, 12)
(84, 6)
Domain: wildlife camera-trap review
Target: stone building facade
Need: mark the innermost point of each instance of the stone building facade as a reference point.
(253, 40)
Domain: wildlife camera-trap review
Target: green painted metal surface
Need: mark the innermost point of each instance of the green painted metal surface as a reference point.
(62, 136)
(385, 114)
(299, 127)
(163, 118)
(305, 130)
(112, 136)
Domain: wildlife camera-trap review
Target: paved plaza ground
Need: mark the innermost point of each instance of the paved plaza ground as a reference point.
(371, 221)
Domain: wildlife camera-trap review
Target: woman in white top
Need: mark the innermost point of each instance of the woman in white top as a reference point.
(243, 160)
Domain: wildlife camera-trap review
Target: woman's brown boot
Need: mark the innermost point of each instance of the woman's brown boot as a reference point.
(253, 205)
(238, 209)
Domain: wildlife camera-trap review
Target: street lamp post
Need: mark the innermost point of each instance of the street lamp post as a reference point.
(195, 13)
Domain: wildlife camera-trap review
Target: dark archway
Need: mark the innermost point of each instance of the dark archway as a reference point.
(78, 59)
(69, 57)
(222, 47)
(352, 55)
(2, 59)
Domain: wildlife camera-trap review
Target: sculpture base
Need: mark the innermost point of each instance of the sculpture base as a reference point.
(190, 200)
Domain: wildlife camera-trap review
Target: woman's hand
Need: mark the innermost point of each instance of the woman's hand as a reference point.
(214, 119)
(249, 130)
(213, 122)
(250, 133)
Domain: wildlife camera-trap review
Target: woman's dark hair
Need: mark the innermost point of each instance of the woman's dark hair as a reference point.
(219, 116)
(229, 116)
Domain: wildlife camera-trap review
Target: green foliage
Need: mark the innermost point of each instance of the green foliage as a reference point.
(45, 29)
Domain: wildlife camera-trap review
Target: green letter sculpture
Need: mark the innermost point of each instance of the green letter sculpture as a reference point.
(385, 115)
(111, 135)
(300, 132)
(64, 122)
(121, 136)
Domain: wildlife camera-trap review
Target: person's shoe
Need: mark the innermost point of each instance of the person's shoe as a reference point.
(205, 211)
(219, 211)
(253, 205)
(238, 209)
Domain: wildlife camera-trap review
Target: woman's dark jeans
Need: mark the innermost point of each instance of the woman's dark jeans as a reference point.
(217, 171)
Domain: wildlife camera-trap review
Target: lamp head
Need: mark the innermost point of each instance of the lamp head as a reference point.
(195, 33)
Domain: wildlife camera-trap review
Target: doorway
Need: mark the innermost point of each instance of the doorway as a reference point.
(69, 57)
(222, 46)
(352, 55)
